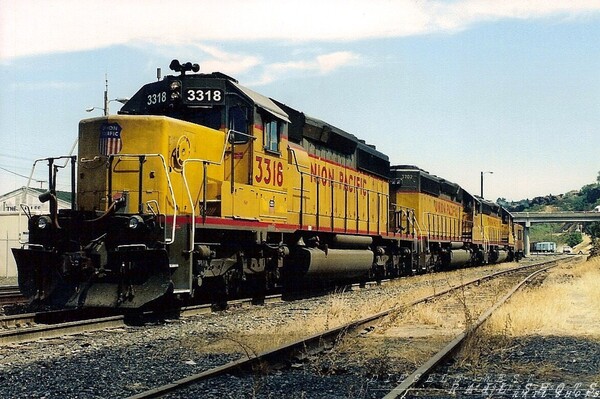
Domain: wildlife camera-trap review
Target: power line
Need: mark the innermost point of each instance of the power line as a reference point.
(20, 175)
(15, 157)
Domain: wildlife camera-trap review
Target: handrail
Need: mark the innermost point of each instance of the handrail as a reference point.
(119, 157)
(332, 182)
(235, 132)
(205, 163)
(27, 188)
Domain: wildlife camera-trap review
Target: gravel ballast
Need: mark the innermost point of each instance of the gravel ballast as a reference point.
(125, 361)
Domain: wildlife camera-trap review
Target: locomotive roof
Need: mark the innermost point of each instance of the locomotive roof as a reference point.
(137, 104)
(326, 133)
(489, 207)
(431, 184)
(435, 185)
(330, 134)
(303, 126)
(263, 102)
(446, 187)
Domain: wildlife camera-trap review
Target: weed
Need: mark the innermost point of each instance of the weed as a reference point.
(564, 304)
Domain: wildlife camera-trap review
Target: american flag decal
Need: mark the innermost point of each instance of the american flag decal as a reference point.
(110, 139)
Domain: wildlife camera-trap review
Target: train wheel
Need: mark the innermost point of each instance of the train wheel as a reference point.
(434, 264)
(233, 282)
(218, 292)
(257, 286)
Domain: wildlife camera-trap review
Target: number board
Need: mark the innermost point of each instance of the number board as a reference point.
(156, 96)
(203, 95)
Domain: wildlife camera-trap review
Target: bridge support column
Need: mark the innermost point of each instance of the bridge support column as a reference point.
(526, 245)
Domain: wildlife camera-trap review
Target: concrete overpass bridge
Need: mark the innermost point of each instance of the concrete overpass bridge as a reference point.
(528, 218)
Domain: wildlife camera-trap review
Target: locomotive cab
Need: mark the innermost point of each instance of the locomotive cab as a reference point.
(183, 149)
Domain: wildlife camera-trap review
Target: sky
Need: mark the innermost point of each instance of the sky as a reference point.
(455, 87)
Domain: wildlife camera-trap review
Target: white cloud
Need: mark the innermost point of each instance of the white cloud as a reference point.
(32, 27)
(330, 62)
(227, 62)
(321, 64)
(213, 57)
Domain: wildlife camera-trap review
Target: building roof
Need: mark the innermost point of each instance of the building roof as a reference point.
(10, 201)
(60, 195)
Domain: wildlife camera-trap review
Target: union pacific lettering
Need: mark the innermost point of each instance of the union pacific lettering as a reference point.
(492, 222)
(445, 208)
(327, 176)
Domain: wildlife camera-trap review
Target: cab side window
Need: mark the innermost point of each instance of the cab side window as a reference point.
(272, 133)
(238, 122)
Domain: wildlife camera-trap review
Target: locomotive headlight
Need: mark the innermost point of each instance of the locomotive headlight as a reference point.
(43, 222)
(175, 89)
(135, 221)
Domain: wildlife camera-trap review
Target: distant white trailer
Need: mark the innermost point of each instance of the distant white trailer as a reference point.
(546, 246)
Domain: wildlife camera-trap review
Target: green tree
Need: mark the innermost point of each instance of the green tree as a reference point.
(593, 229)
(544, 232)
(591, 194)
(573, 238)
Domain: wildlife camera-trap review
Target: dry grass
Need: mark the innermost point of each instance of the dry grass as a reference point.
(341, 309)
(455, 312)
(338, 310)
(566, 303)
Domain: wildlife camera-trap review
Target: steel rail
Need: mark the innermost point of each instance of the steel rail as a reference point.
(60, 329)
(18, 320)
(10, 294)
(310, 344)
(26, 327)
(426, 368)
(22, 322)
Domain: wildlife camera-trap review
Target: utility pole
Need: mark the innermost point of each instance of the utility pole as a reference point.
(482, 173)
(106, 95)
(106, 101)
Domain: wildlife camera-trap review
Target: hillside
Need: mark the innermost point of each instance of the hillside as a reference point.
(585, 199)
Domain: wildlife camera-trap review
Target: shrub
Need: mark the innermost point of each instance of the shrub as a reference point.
(573, 238)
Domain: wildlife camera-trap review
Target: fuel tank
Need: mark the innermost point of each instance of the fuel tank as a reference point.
(351, 242)
(329, 264)
(502, 255)
(456, 257)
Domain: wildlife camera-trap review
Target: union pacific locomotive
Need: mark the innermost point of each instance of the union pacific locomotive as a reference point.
(201, 186)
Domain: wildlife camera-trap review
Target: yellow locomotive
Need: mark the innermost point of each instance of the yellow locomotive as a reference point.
(455, 228)
(201, 186)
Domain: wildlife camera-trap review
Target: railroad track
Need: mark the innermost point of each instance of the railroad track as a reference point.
(10, 295)
(27, 327)
(20, 328)
(32, 326)
(420, 374)
(304, 347)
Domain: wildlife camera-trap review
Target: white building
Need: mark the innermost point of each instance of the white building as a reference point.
(11, 225)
